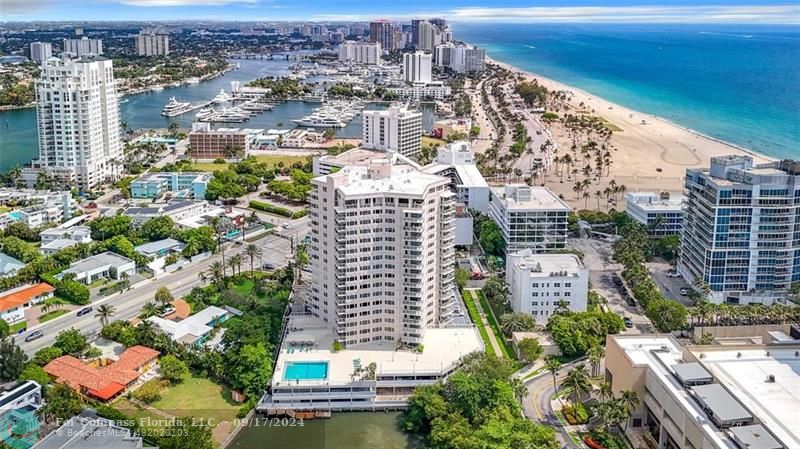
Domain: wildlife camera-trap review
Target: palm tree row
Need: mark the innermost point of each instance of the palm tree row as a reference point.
(709, 314)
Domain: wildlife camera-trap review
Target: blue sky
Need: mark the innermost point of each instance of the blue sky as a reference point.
(659, 11)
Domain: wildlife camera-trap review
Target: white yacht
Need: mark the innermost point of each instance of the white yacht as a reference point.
(205, 112)
(175, 107)
(317, 121)
(222, 97)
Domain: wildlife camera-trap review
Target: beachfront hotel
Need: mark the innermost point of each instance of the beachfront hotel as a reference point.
(77, 110)
(740, 393)
(397, 129)
(529, 217)
(740, 229)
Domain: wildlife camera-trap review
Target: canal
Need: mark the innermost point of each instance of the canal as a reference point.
(18, 134)
(358, 430)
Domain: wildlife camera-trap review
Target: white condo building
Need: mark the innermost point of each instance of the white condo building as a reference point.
(360, 52)
(457, 162)
(417, 67)
(460, 58)
(41, 51)
(397, 129)
(529, 217)
(84, 46)
(740, 229)
(152, 43)
(430, 34)
(382, 252)
(661, 213)
(541, 283)
(77, 111)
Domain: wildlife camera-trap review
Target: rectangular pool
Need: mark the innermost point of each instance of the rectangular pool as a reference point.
(306, 371)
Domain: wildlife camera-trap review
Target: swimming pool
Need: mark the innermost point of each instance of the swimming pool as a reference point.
(306, 371)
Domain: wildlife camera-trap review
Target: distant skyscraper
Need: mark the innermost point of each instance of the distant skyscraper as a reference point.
(740, 229)
(40, 51)
(382, 252)
(152, 43)
(83, 47)
(415, 31)
(382, 31)
(360, 52)
(429, 35)
(77, 111)
(417, 67)
(394, 129)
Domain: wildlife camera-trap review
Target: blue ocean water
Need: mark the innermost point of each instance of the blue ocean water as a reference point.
(739, 83)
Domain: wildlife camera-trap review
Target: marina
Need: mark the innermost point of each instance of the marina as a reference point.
(332, 114)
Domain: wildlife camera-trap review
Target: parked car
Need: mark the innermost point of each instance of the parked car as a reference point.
(628, 322)
(268, 266)
(285, 226)
(616, 279)
(168, 311)
(685, 291)
(34, 336)
(631, 302)
(84, 311)
(673, 274)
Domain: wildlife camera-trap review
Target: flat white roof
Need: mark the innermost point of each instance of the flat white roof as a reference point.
(403, 179)
(652, 202)
(744, 372)
(443, 347)
(541, 198)
(196, 324)
(544, 265)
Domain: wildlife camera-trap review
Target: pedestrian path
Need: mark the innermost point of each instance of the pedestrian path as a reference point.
(485, 323)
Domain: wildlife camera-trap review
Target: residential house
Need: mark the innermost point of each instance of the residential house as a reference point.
(56, 239)
(19, 424)
(195, 330)
(106, 265)
(88, 430)
(14, 302)
(160, 248)
(9, 265)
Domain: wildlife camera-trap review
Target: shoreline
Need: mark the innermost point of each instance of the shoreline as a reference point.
(577, 91)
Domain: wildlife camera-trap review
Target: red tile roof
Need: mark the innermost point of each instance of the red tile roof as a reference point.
(24, 296)
(104, 382)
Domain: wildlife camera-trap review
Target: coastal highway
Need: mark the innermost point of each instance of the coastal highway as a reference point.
(274, 249)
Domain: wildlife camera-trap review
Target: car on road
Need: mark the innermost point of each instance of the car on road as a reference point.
(34, 336)
(673, 274)
(285, 226)
(631, 302)
(84, 311)
(168, 311)
(685, 291)
(268, 266)
(628, 322)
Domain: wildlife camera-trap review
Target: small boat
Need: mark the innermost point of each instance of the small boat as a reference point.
(175, 107)
(193, 80)
(313, 99)
(157, 89)
(124, 101)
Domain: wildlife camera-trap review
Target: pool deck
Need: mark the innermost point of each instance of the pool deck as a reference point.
(443, 348)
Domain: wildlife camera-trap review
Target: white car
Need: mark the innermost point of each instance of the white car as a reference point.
(168, 311)
(673, 274)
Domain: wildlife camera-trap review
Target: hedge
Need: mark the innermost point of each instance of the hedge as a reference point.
(272, 209)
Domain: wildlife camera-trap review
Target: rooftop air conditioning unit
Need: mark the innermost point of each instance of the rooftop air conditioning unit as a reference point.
(771, 378)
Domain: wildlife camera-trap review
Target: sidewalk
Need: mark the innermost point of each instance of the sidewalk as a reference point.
(485, 324)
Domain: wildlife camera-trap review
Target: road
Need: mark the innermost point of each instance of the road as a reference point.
(536, 404)
(274, 248)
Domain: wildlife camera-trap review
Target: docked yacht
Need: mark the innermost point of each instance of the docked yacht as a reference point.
(222, 97)
(175, 107)
(320, 121)
(205, 112)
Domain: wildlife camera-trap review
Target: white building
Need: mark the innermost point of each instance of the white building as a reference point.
(529, 217)
(41, 51)
(382, 253)
(78, 48)
(429, 35)
(457, 162)
(77, 111)
(14, 302)
(328, 163)
(417, 67)
(460, 58)
(194, 330)
(177, 210)
(433, 91)
(728, 396)
(541, 283)
(740, 229)
(56, 239)
(152, 43)
(397, 129)
(360, 52)
(661, 213)
(105, 265)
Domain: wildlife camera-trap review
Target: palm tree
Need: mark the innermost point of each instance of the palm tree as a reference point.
(552, 364)
(605, 391)
(51, 306)
(216, 224)
(629, 400)
(148, 309)
(252, 251)
(164, 296)
(578, 382)
(595, 354)
(235, 262)
(216, 273)
(516, 322)
(105, 312)
(146, 333)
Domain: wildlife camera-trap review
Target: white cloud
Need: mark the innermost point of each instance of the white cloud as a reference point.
(157, 3)
(789, 14)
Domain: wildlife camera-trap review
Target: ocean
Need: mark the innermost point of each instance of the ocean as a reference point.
(738, 83)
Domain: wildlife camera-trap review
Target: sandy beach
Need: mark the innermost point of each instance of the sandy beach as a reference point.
(645, 144)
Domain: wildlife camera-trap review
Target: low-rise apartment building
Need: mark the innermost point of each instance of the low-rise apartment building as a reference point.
(179, 184)
(541, 284)
(221, 143)
(660, 213)
(177, 210)
(457, 162)
(529, 217)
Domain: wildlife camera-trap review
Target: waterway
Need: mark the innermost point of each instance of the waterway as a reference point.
(358, 430)
(18, 134)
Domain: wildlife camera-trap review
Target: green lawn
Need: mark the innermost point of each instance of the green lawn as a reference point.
(16, 327)
(244, 286)
(97, 283)
(199, 397)
(432, 141)
(4, 209)
(505, 346)
(52, 314)
(271, 159)
(476, 318)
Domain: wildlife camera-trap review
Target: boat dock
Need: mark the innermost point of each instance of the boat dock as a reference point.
(188, 109)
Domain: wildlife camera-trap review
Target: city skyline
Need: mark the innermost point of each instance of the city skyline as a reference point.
(517, 11)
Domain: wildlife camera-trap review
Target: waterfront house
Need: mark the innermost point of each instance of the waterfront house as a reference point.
(19, 424)
(88, 430)
(195, 330)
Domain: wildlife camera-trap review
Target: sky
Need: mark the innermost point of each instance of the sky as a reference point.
(519, 11)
